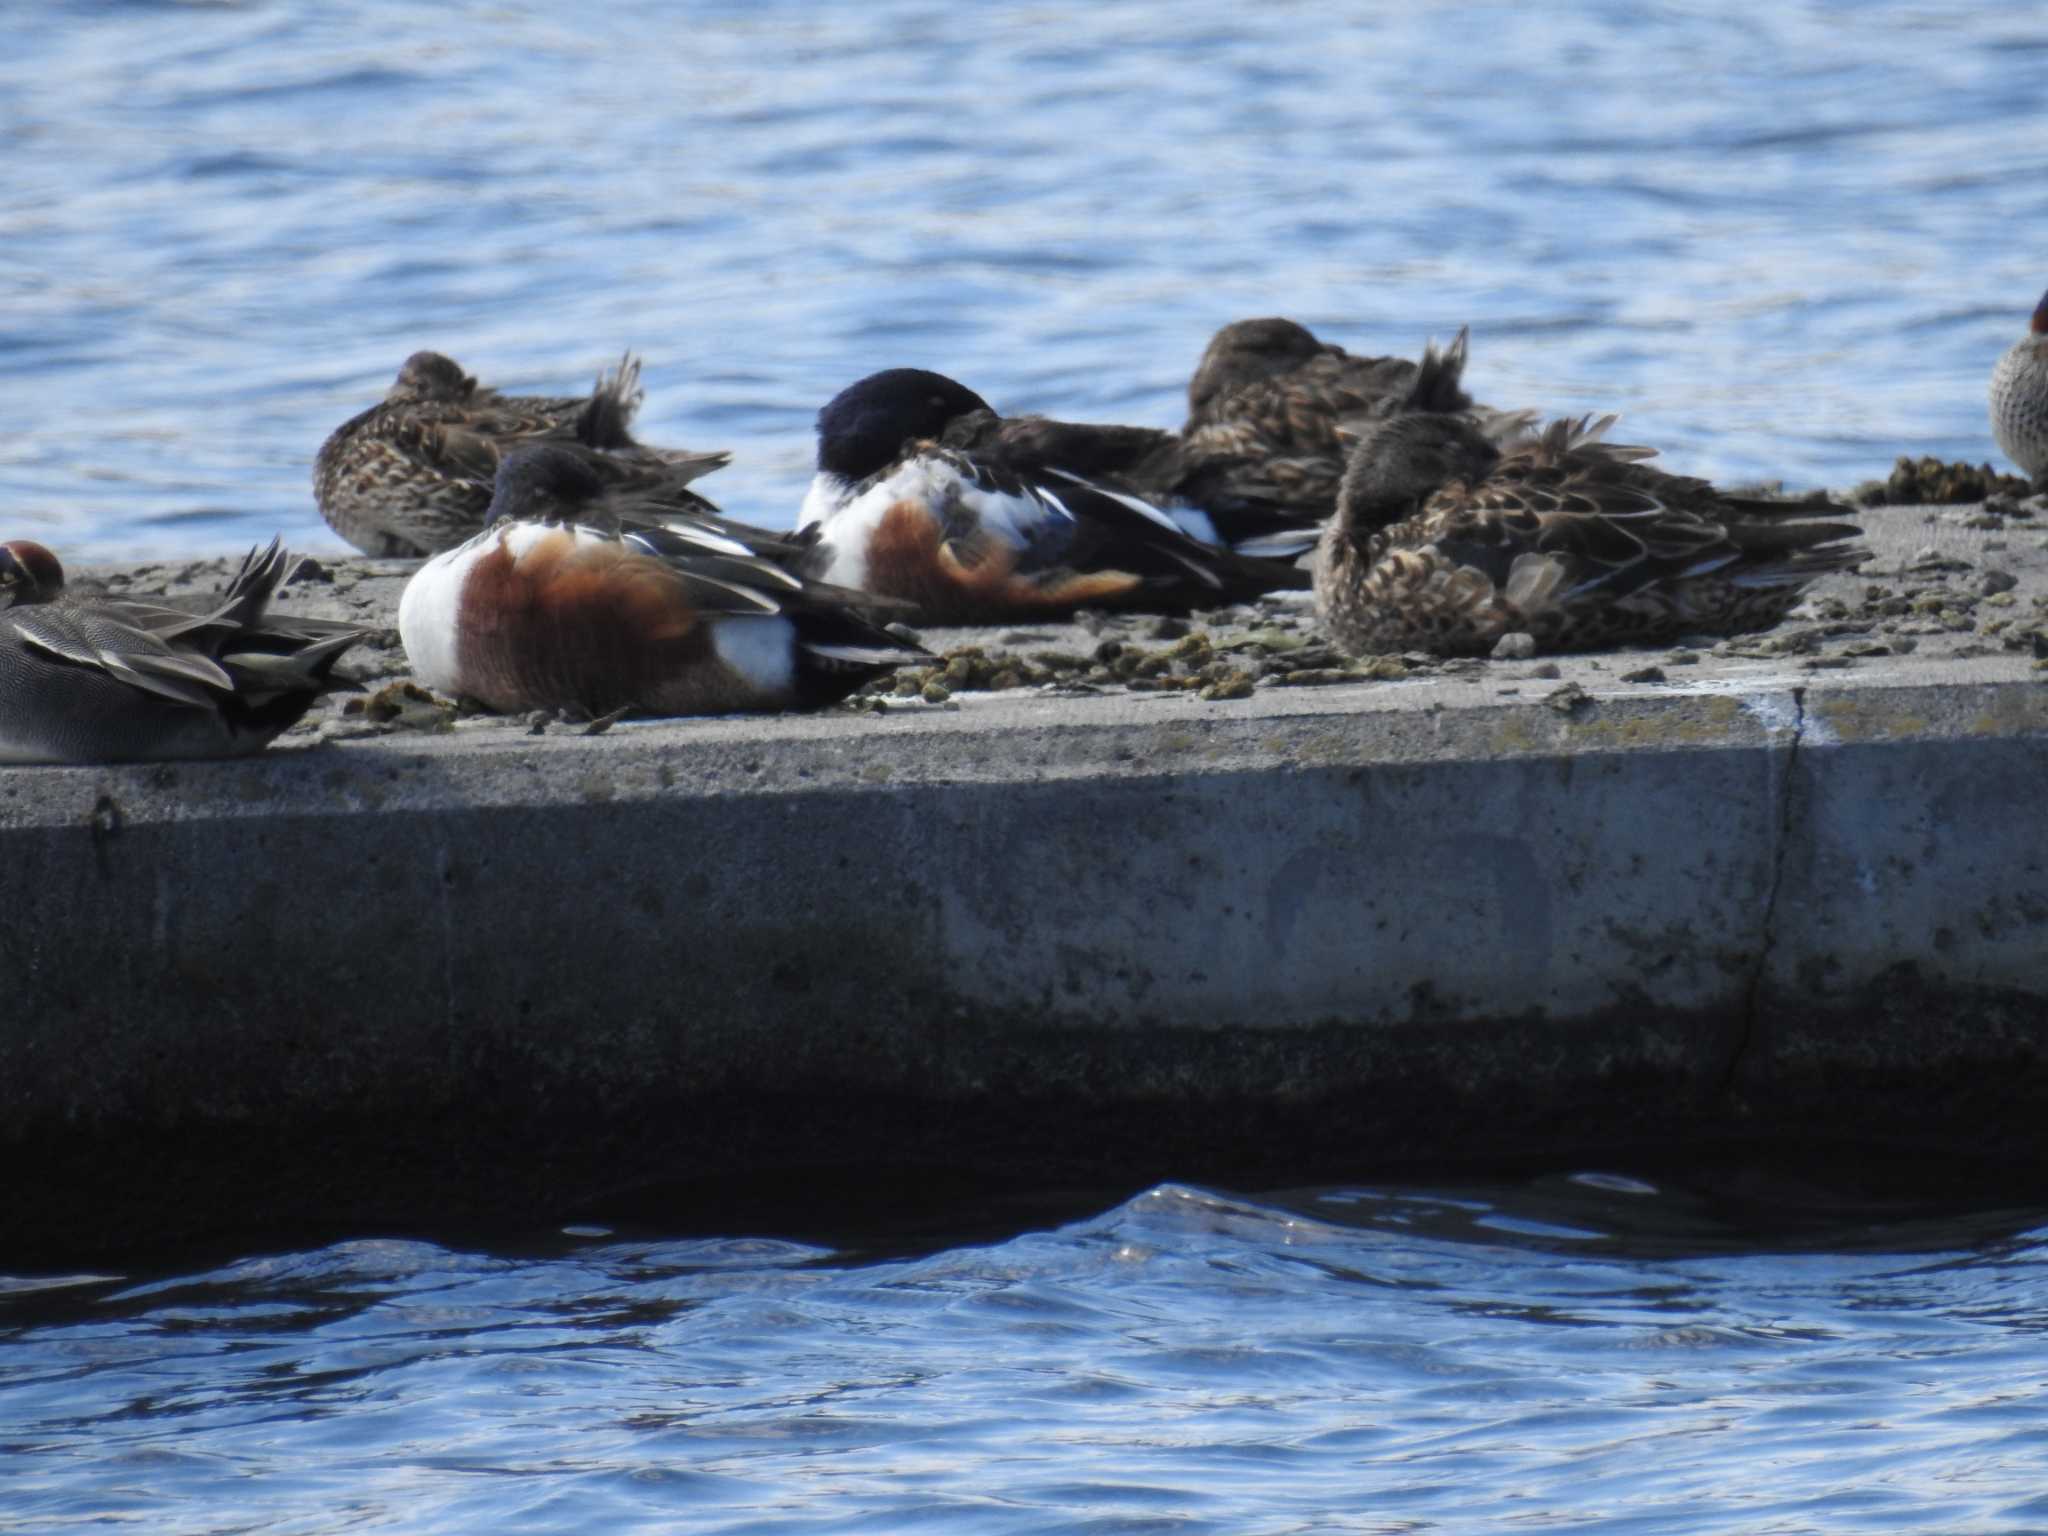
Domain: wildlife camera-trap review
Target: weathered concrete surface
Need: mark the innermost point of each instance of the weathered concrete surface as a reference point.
(1305, 933)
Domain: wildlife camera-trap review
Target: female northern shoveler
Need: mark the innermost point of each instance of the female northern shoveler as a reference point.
(1273, 412)
(563, 602)
(925, 494)
(104, 680)
(1445, 542)
(2019, 398)
(413, 474)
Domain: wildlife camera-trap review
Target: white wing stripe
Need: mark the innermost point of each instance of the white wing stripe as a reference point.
(1141, 507)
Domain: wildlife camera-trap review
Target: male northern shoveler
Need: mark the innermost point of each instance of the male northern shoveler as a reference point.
(1273, 412)
(2019, 398)
(925, 494)
(413, 474)
(1444, 541)
(565, 602)
(105, 680)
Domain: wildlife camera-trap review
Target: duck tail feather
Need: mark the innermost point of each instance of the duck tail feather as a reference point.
(1439, 380)
(607, 420)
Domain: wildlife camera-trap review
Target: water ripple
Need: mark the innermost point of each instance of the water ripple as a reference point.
(1602, 1351)
(229, 223)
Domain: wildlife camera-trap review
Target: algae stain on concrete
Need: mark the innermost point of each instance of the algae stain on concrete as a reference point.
(1688, 722)
(1852, 718)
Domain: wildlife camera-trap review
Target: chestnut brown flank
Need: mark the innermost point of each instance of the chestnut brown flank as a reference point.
(907, 558)
(599, 625)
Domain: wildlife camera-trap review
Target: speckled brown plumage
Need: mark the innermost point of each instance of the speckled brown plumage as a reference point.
(412, 475)
(1275, 372)
(1444, 542)
(2019, 398)
(1273, 413)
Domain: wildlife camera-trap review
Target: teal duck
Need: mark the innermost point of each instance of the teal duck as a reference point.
(1273, 413)
(1445, 541)
(413, 474)
(2019, 397)
(87, 679)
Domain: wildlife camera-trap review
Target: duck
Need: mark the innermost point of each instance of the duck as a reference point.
(413, 474)
(1273, 412)
(1445, 541)
(569, 600)
(89, 679)
(924, 494)
(2019, 398)
(1318, 379)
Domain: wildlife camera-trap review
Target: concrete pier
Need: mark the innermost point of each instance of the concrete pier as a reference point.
(1790, 888)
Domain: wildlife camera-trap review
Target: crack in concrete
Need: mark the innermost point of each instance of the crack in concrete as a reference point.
(1767, 938)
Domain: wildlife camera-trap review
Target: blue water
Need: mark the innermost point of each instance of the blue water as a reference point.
(1784, 239)
(1586, 1353)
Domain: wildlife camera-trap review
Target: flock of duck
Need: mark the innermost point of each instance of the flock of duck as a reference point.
(568, 566)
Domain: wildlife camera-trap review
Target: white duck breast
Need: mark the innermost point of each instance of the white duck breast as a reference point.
(824, 500)
(932, 482)
(430, 607)
(521, 539)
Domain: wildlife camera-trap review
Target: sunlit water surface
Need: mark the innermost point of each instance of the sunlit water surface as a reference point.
(1593, 1352)
(1786, 240)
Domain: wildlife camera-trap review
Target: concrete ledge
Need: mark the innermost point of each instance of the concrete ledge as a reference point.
(1299, 935)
